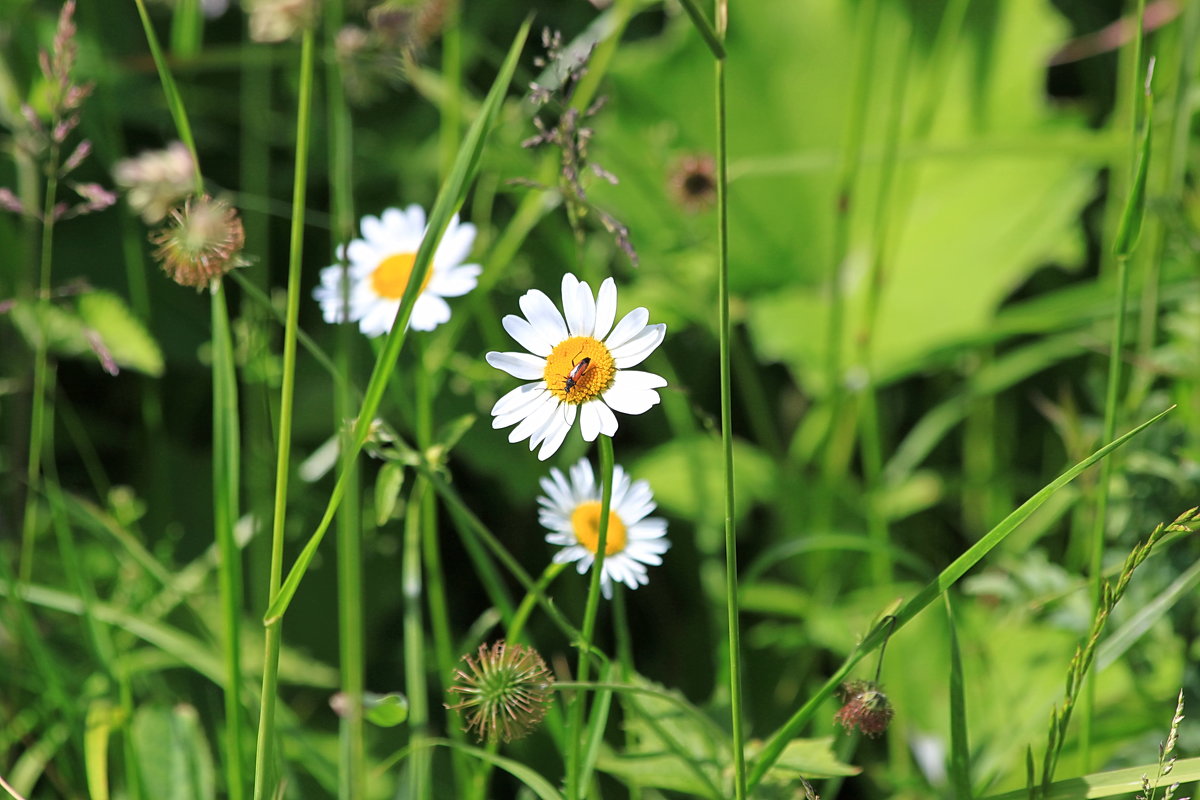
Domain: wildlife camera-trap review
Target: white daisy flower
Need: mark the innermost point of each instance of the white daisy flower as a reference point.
(379, 267)
(571, 511)
(579, 365)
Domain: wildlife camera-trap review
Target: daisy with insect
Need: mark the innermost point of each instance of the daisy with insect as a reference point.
(570, 510)
(580, 364)
(369, 290)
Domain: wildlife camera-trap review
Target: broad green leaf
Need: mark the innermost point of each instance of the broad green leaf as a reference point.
(806, 758)
(172, 754)
(58, 326)
(123, 334)
(385, 710)
(993, 192)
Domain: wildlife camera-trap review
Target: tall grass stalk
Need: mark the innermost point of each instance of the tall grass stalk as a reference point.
(226, 472)
(265, 766)
(835, 449)
(1125, 240)
(414, 644)
(352, 783)
(226, 452)
(352, 648)
(576, 777)
(886, 213)
(731, 569)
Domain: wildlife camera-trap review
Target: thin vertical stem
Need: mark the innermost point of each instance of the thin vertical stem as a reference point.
(731, 568)
(37, 419)
(352, 784)
(414, 645)
(1112, 392)
(435, 591)
(226, 458)
(265, 779)
(575, 778)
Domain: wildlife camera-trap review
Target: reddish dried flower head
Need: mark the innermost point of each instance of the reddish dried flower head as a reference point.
(201, 242)
(865, 707)
(505, 690)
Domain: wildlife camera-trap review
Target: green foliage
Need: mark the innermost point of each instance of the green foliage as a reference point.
(173, 755)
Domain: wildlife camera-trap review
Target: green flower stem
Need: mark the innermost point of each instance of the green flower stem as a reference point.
(731, 570)
(575, 730)
(435, 583)
(265, 772)
(414, 644)
(226, 482)
(352, 772)
(517, 626)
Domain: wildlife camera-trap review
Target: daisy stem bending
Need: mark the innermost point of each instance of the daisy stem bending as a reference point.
(731, 570)
(264, 759)
(575, 778)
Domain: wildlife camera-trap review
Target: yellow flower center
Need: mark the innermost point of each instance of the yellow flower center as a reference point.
(579, 369)
(586, 522)
(391, 276)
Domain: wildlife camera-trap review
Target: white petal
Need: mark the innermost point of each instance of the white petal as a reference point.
(414, 216)
(538, 417)
(589, 421)
(639, 379)
(628, 398)
(456, 244)
(606, 308)
(519, 365)
(428, 312)
(555, 440)
(558, 419)
(544, 317)
(620, 487)
(379, 318)
(373, 229)
(455, 281)
(520, 397)
(586, 305)
(608, 420)
(630, 326)
(583, 482)
(571, 304)
(363, 255)
(526, 335)
(636, 349)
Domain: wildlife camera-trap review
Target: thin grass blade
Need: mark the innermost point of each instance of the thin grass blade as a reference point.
(449, 200)
(947, 578)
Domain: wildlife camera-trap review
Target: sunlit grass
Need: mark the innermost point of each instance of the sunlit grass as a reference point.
(900, 372)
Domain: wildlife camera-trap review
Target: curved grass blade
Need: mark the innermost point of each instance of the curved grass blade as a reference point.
(449, 200)
(947, 578)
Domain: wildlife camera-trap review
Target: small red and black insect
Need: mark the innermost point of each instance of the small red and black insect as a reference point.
(576, 373)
